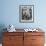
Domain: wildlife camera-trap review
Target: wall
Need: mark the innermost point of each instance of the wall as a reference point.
(9, 13)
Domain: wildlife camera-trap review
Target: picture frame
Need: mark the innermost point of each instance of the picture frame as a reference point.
(26, 13)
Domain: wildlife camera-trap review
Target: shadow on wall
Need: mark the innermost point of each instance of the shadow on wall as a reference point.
(2, 26)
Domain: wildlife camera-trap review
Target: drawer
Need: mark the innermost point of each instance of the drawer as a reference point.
(34, 33)
(37, 39)
(34, 39)
(13, 33)
(37, 44)
(12, 39)
(8, 39)
(27, 37)
(18, 44)
(27, 41)
(12, 44)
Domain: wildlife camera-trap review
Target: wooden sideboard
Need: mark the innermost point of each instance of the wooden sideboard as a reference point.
(23, 38)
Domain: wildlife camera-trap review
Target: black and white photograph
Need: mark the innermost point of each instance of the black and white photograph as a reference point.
(26, 13)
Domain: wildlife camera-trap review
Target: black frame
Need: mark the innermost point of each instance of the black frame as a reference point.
(26, 13)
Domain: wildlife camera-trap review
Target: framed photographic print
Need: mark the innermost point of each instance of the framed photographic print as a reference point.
(26, 13)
